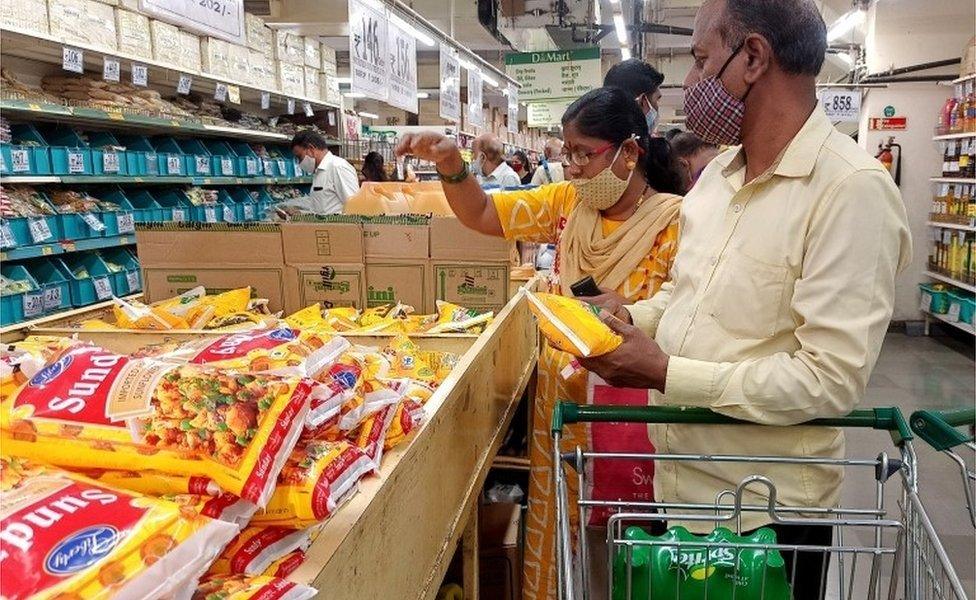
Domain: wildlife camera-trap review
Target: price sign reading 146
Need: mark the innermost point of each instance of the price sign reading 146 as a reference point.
(841, 104)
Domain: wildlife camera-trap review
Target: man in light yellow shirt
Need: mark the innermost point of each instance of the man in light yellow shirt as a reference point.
(783, 285)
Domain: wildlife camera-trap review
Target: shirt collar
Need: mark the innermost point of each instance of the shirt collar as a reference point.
(324, 161)
(500, 170)
(799, 156)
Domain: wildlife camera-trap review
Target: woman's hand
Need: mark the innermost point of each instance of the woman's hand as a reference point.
(612, 302)
(428, 145)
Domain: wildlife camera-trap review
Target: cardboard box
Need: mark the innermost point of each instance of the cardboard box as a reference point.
(330, 89)
(215, 56)
(390, 281)
(166, 42)
(313, 83)
(237, 57)
(481, 285)
(313, 53)
(29, 15)
(83, 22)
(499, 560)
(289, 47)
(160, 283)
(396, 240)
(99, 25)
(450, 239)
(261, 69)
(258, 36)
(330, 284)
(189, 51)
(133, 33)
(291, 79)
(328, 57)
(308, 243)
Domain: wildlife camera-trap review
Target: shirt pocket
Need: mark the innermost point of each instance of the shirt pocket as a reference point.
(747, 297)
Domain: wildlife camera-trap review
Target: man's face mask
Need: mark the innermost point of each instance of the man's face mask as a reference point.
(713, 113)
(307, 162)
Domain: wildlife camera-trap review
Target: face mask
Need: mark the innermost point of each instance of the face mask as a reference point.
(604, 189)
(713, 113)
(307, 164)
(651, 117)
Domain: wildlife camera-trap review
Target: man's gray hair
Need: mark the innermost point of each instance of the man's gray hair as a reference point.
(795, 30)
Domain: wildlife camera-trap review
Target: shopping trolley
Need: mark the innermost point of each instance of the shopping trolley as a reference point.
(870, 556)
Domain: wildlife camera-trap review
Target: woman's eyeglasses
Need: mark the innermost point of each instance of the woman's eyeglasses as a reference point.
(581, 158)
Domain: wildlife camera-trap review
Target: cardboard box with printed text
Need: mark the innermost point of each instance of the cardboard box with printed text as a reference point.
(405, 281)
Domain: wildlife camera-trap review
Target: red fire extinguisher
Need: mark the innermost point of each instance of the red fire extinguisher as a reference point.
(887, 158)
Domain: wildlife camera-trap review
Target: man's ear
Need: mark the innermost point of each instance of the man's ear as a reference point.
(759, 56)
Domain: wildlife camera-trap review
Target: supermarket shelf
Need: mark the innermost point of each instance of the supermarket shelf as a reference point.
(84, 116)
(957, 324)
(46, 48)
(955, 136)
(964, 79)
(17, 331)
(952, 226)
(950, 280)
(67, 247)
(953, 180)
(81, 179)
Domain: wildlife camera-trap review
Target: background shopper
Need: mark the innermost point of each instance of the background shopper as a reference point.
(550, 169)
(334, 180)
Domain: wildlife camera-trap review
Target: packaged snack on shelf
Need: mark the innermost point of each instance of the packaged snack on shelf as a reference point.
(452, 318)
(24, 201)
(20, 361)
(286, 565)
(371, 435)
(153, 483)
(406, 418)
(242, 587)
(571, 325)
(91, 408)
(225, 507)
(71, 537)
(318, 476)
(255, 548)
(233, 310)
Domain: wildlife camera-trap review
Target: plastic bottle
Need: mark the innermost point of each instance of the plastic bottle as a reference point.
(945, 117)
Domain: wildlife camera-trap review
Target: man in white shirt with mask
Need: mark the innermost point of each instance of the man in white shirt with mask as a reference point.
(551, 168)
(334, 180)
(491, 160)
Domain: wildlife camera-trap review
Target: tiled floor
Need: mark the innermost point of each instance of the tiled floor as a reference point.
(914, 373)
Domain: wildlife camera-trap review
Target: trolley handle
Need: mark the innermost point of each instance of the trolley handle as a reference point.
(565, 413)
(938, 427)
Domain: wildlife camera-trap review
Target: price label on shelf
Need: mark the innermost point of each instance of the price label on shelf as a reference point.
(307, 107)
(76, 162)
(179, 215)
(103, 287)
(291, 106)
(953, 314)
(220, 92)
(234, 94)
(33, 303)
(283, 168)
(52, 298)
(268, 167)
(173, 164)
(273, 121)
(125, 222)
(111, 70)
(841, 104)
(926, 303)
(6, 235)
(152, 164)
(72, 59)
(227, 166)
(184, 84)
(132, 279)
(203, 165)
(3, 164)
(265, 100)
(210, 214)
(19, 160)
(39, 231)
(228, 214)
(248, 212)
(110, 162)
(140, 75)
(92, 221)
(251, 166)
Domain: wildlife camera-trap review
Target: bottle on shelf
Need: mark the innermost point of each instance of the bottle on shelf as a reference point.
(945, 115)
(955, 123)
(969, 123)
(962, 170)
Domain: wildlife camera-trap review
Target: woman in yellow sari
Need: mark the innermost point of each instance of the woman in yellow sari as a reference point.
(615, 220)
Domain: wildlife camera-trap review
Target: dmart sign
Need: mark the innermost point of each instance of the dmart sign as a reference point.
(554, 75)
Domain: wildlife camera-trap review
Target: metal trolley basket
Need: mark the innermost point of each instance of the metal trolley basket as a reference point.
(874, 553)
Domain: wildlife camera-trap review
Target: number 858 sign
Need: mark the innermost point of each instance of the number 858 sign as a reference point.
(841, 104)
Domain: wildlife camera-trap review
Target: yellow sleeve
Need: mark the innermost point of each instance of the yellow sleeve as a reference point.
(534, 215)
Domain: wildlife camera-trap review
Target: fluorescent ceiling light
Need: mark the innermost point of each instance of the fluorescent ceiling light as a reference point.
(423, 95)
(354, 95)
(368, 115)
(621, 27)
(625, 53)
(489, 80)
(845, 24)
(614, 1)
(414, 31)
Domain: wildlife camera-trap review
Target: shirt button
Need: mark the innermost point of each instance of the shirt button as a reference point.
(736, 208)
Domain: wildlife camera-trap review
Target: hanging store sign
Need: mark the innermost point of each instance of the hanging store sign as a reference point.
(402, 68)
(475, 116)
(544, 114)
(513, 100)
(367, 49)
(888, 123)
(223, 19)
(556, 74)
(841, 105)
(353, 126)
(450, 91)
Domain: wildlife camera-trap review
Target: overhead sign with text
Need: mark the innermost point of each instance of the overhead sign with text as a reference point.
(368, 49)
(218, 18)
(513, 111)
(556, 74)
(402, 68)
(450, 91)
(475, 116)
(544, 114)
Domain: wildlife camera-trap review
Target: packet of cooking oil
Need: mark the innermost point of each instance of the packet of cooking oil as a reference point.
(309, 317)
(131, 314)
(571, 325)
(72, 537)
(452, 318)
(407, 360)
